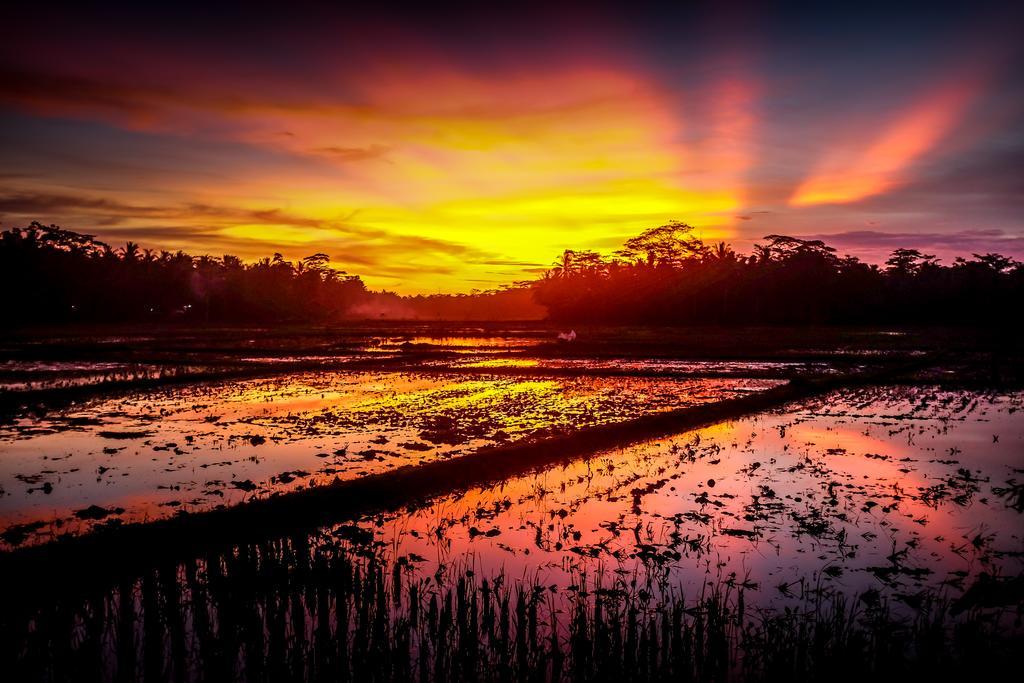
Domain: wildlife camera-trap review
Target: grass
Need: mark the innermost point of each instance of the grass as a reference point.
(328, 610)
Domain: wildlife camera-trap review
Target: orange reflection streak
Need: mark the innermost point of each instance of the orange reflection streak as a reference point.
(282, 433)
(849, 175)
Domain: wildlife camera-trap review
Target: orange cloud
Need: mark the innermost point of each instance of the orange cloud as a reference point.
(519, 163)
(862, 168)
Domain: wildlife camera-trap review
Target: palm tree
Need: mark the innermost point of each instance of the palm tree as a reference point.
(723, 252)
(130, 251)
(762, 254)
(564, 264)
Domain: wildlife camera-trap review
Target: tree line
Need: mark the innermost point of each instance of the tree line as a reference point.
(666, 275)
(52, 275)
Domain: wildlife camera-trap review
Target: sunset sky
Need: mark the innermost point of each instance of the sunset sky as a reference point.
(447, 151)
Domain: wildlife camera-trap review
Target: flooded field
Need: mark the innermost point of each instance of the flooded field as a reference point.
(655, 510)
(890, 487)
(755, 547)
(153, 454)
(18, 376)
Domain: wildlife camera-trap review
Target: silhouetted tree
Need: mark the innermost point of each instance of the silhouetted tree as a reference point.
(666, 275)
(666, 245)
(64, 276)
(908, 261)
(663, 275)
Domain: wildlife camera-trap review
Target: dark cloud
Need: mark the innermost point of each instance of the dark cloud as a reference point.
(41, 89)
(110, 212)
(41, 203)
(980, 185)
(347, 154)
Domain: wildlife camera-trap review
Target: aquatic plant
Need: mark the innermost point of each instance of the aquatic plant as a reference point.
(324, 609)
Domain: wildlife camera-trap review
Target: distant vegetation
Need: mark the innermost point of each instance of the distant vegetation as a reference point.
(64, 276)
(665, 275)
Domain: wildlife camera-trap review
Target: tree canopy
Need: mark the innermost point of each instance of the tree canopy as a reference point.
(665, 275)
(56, 275)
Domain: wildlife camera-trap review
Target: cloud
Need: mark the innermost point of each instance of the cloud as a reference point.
(42, 204)
(110, 212)
(349, 154)
(874, 161)
(238, 230)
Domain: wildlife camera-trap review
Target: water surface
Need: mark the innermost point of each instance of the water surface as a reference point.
(891, 488)
(155, 453)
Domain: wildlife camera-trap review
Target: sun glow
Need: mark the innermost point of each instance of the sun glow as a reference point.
(534, 163)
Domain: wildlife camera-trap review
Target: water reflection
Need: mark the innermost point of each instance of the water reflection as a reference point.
(16, 376)
(462, 344)
(648, 366)
(157, 453)
(658, 557)
(904, 488)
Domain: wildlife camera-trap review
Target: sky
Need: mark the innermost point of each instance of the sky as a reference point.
(444, 151)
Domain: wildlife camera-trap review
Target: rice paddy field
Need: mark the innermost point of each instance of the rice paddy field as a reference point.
(483, 503)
